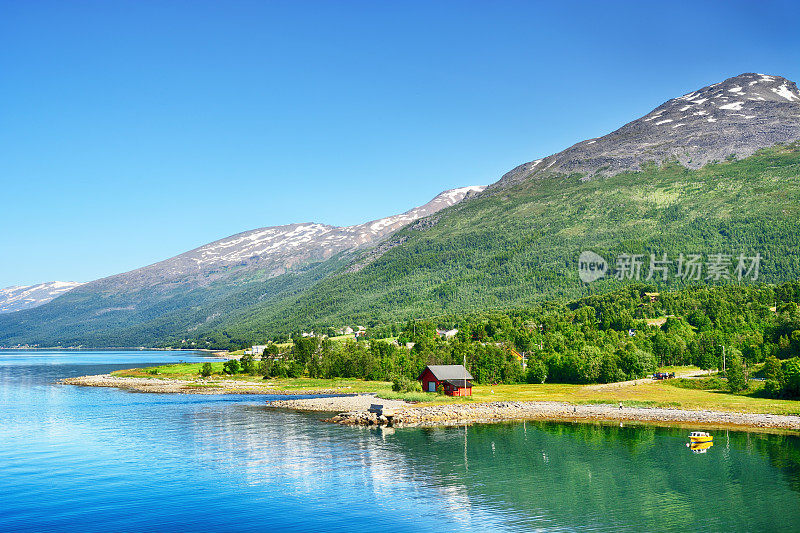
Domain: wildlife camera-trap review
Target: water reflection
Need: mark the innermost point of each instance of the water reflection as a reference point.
(103, 459)
(532, 475)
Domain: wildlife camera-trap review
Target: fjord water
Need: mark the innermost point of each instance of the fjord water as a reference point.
(98, 459)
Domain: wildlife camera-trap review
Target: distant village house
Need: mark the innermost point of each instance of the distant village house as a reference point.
(256, 349)
(447, 334)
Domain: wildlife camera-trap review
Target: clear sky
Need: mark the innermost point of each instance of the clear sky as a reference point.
(134, 131)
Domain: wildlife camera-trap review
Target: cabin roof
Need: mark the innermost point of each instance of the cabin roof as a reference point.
(448, 372)
(460, 383)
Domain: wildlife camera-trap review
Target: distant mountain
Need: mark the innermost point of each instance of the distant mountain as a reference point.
(716, 171)
(204, 285)
(22, 297)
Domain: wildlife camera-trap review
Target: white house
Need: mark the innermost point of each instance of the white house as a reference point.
(447, 334)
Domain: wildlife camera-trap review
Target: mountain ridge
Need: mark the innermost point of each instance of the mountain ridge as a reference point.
(276, 249)
(512, 243)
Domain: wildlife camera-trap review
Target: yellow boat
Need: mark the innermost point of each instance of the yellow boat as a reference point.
(697, 437)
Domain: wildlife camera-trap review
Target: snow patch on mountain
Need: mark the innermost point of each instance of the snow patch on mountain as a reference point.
(737, 116)
(278, 240)
(21, 297)
(275, 250)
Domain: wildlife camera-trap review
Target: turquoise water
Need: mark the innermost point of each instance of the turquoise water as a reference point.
(92, 459)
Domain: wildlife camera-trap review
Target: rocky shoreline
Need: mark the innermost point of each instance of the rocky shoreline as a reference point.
(460, 414)
(359, 403)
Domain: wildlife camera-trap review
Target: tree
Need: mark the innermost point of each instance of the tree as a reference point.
(265, 367)
(537, 371)
(773, 376)
(737, 381)
(248, 364)
(791, 375)
(707, 359)
(231, 366)
(206, 370)
(635, 363)
(609, 369)
(305, 348)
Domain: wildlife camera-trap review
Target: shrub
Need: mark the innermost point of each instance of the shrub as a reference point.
(773, 388)
(206, 370)
(403, 384)
(407, 396)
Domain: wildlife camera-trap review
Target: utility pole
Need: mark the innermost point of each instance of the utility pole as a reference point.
(465, 372)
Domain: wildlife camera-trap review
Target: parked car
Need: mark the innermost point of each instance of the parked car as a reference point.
(663, 375)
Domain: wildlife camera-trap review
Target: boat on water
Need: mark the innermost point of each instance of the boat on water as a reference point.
(697, 437)
(699, 447)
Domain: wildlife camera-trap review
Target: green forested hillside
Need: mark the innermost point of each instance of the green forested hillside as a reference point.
(508, 248)
(518, 246)
(143, 318)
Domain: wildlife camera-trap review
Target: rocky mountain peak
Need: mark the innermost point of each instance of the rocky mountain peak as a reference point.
(734, 117)
(740, 96)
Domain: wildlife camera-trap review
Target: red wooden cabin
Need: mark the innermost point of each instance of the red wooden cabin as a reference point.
(454, 379)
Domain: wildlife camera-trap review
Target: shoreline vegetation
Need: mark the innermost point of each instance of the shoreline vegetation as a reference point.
(665, 403)
(598, 351)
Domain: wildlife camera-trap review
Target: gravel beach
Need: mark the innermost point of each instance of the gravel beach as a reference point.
(356, 403)
(458, 414)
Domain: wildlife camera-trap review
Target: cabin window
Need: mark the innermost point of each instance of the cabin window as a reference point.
(431, 386)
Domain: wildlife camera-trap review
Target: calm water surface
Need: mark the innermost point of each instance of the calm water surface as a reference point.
(92, 459)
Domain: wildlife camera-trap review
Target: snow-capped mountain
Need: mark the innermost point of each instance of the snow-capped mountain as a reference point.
(274, 250)
(734, 117)
(18, 298)
(294, 242)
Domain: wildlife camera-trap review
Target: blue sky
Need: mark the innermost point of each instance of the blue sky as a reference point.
(133, 131)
